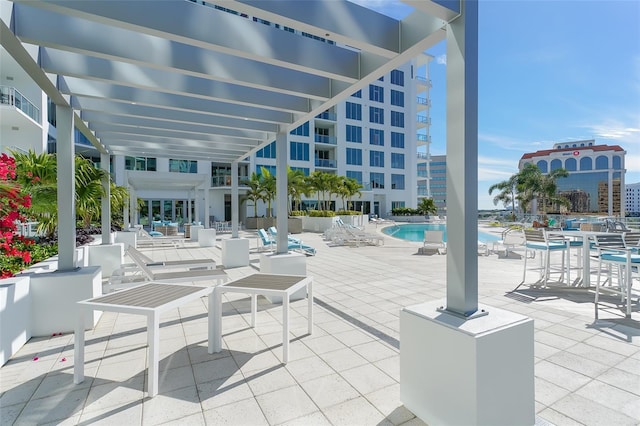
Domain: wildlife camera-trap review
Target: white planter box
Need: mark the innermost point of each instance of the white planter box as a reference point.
(54, 296)
(317, 224)
(15, 316)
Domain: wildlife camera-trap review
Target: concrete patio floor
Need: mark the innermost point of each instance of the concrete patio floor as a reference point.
(345, 373)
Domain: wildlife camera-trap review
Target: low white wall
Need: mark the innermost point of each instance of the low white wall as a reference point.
(15, 316)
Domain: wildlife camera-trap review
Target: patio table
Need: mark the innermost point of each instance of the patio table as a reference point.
(151, 299)
(275, 285)
(586, 237)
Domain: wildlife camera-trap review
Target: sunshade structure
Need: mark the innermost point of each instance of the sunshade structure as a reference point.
(208, 80)
(211, 81)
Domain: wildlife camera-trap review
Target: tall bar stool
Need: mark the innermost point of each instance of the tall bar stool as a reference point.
(537, 242)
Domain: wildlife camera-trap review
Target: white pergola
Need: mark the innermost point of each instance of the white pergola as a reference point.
(183, 78)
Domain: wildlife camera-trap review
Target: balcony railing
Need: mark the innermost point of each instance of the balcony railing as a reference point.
(331, 140)
(423, 80)
(226, 180)
(327, 116)
(423, 101)
(422, 119)
(422, 156)
(321, 162)
(423, 138)
(422, 173)
(11, 96)
(422, 192)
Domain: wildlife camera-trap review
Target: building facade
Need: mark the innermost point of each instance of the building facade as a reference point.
(437, 167)
(596, 174)
(632, 199)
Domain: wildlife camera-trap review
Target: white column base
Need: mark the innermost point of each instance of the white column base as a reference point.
(207, 237)
(467, 372)
(288, 263)
(109, 257)
(15, 315)
(235, 252)
(195, 230)
(128, 238)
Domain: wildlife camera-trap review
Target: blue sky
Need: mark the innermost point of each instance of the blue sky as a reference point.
(548, 71)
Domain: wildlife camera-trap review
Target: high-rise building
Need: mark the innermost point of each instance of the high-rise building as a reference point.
(596, 172)
(438, 182)
(632, 199)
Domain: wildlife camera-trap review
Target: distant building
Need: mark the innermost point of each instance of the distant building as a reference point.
(595, 171)
(632, 199)
(438, 182)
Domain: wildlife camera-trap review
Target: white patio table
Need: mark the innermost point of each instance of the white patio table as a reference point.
(586, 237)
(150, 299)
(274, 285)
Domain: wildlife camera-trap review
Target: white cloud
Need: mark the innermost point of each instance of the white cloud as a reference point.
(632, 162)
(441, 59)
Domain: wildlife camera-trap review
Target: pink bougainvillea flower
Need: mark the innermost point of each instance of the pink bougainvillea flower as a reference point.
(35, 358)
(63, 360)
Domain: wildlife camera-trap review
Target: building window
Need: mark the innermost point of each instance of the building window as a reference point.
(397, 119)
(270, 169)
(376, 137)
(304, 170)
(377, 180)
(376, 158)
(354, 156)
(301, 130)
(183, 166)
(397, 181)
(616, 162)
(586, 163)
(542, 165)
(397, 160)
(354, 134)
(397, 98)
(376, 93)
(376, 115)
(397, 204)
(354, 111)
(556, 164)
(397, 140)
(268, 151)
(602, 163)
(571, 165)
(299, 151)
(397, 77)
(140, 163)
(353, 174)
(358, 94)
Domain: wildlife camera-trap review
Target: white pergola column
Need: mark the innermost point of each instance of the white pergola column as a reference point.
(196, 205)
(66, 189)
(235, 207)
(105, 160)
(189, 219)
(610, 189)
(206, 206)
(462, 163)
(281, 193)
(133, 207)
(623, 190)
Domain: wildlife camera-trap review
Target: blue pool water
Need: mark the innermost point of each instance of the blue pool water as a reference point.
(415, 232)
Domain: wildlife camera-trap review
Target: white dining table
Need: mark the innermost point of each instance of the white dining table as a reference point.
(586, 237)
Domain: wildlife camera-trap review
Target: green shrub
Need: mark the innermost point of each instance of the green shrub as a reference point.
(405, 211)
(321, 213)
(348, 213)
(298, 213)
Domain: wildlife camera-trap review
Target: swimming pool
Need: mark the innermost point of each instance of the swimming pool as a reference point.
(415, 232)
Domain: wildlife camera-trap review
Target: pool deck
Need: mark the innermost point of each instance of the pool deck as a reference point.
(346, 373)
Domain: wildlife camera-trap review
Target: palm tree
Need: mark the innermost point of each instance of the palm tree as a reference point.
(532, 184)
(89, 191)
(348, 188)
(320, 182)
(254, 193)
(427, 206)
(268, 188)
(507, 194)
(297, 186)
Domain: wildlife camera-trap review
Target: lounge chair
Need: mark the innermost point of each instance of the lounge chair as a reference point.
(147, 240)
(274, 235)
(270, 243)
(146, 272)
(434, 240)
(202, 263)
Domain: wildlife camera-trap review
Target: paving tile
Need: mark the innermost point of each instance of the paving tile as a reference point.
(110, 395)
(270, 380)
(612, 397)
(314, 419)
(329, 390)
(547, 393)
(391, 366)
(215, 369)
(375, 351)
(10, 413)
(593, 353)
(309, 368)
(590, 412)
(51, 409)
(387, 401)
(343, 359)
(355, 412)
(560, 376)
(20, 392)
(622, 379)
(285, 404)
(172, 405)
(324, 344)
(367, 378)
(245, 412)
(124, 413)
(577, 363)
(223, 391)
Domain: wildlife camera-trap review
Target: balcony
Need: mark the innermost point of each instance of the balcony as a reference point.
(423, 81)
(332, 116)
(329, 140)
(329, 164)
(423, 139)
(421, 119)
(217, 181)
(422, 192)
(423, 103)
(422, 156)
(11, 96)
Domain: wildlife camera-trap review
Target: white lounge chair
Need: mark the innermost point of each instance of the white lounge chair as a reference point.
(434, 240)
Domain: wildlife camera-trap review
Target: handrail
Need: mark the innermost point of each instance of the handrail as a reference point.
(12, 96)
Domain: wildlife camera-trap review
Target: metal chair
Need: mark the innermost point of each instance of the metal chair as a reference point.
(537, 241)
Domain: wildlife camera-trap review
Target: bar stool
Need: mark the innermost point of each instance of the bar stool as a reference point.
(537, 241)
